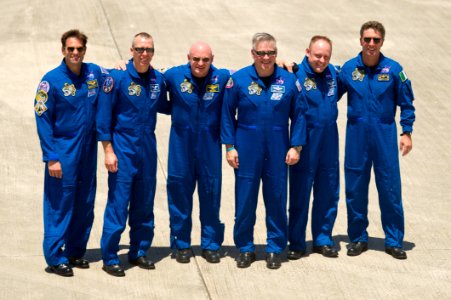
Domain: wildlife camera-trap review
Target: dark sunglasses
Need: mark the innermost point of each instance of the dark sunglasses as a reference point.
(203, 59)
(79, 49)
(148, 50)
(368, 40)
(263, 53)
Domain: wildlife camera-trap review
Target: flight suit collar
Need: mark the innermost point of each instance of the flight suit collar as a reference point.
(73, 76)
(135, 75)
(310, 73)
(361, 65)
(188, 75)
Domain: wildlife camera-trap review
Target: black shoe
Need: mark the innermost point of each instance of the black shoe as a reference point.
(273, 261)
(245, 259)
(183, 255)
(212, 256)
(357, 248)
(397, 253)
(143, 263)
(326, 250)
(294, 255)
(61, 270)
(79, 262)
(115, 270)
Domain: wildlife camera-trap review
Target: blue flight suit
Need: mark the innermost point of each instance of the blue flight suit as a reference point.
(195, 154)
(128, 105)
(318, 166)
(65, 106)
(255, 120)
(371, 139)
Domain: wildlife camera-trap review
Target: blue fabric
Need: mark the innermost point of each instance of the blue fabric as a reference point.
(371, 140)
(65, 106)
(318, 167)
(255, 119)
(195, 154)
(128, 105)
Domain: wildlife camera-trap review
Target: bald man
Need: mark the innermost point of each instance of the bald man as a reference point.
(196, 91)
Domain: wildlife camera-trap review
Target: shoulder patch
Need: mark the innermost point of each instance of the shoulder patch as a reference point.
(229, 83)
(403, 76)
(40, 108)
(41, 96)
(108, 84)
(44, 86)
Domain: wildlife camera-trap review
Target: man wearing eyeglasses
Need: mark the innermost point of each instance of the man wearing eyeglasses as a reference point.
(126, 119)
(259, 102)
(65, 106)
(196, 91)
(376, 85)
(318, 167)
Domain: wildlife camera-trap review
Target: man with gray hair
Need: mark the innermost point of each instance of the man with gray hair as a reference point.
(259, 102)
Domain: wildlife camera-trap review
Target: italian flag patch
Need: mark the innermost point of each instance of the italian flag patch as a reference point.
(403, 76)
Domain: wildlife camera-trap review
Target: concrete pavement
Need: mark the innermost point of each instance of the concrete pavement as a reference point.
(418, 37)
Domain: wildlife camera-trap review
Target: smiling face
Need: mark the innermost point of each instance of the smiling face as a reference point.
(371, 42)
(74, 52)
(264, 55)
(318, 55)
(200, 58)
(142, 51)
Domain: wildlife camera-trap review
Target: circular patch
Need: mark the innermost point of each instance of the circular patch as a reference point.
(44, 86)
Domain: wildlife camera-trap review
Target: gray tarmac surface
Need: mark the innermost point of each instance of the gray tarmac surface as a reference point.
(418, 36)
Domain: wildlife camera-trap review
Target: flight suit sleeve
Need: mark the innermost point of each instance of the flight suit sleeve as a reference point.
(229, 105)
(341, 87)
(299, 106)
(44, 106)
(164, 106)
(405, 101)
(104, 114)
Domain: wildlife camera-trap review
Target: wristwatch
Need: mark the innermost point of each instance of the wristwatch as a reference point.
(297, 148)
(407, 133)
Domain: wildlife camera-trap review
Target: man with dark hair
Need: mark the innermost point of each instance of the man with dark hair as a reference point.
(318, 166)
(260, 101)
(127, 115)
(65, 107)
(196, 92)
(376, 85)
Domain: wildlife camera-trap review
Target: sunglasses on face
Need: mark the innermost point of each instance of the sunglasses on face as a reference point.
(141, 50)
(72, 49)
(203, 59)
(263, 53)
(375, 40)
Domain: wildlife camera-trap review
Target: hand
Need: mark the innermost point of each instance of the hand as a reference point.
(405, 145)
(232, 158)
(55, 169)
(111, 161)
(292, 157)
(121, 65)
(289, 66)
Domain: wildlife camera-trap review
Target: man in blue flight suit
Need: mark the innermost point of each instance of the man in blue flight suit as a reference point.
(128, 105)
(318, 166)
(196, 91)
(65, 106)
(259, 102)
(376, 85)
